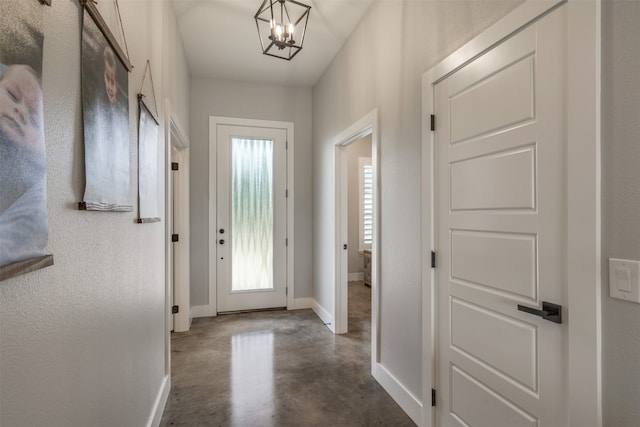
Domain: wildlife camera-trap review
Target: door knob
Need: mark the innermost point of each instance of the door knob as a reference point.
(221, 231)
(221, 242)
(344, 246)
(551, 312)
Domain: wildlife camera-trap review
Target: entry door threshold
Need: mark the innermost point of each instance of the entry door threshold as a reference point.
(252, 311)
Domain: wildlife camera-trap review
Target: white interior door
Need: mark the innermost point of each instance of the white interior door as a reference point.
(251, 218)
(500, 223)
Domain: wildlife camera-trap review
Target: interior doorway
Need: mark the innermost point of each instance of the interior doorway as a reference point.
(360, 234)
(365, 128)
(576, 347)
(177, 227)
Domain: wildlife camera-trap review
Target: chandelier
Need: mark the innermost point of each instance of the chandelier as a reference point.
(281, 27)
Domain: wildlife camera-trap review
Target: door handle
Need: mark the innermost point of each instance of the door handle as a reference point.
(344, 246)
(221, 241)
(551, 312)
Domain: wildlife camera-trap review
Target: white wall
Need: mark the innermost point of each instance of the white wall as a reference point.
(252, 101)
(83, 341)
(361, 148)
(380, 66)
(177, 82)
(621, 206)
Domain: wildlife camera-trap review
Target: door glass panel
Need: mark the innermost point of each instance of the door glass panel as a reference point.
(251, 214)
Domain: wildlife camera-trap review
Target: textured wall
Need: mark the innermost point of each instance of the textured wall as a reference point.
(250, 101)
(361, 148)
(82, 342)
(621, 206)
(380, 66)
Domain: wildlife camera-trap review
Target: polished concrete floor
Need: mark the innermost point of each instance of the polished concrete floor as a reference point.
(278, 368)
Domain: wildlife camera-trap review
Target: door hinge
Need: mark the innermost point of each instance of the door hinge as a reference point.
(174, 166)
(174, 237)
(286, 241)
(433, 122)
(175, 309)
(286, 145)
(286, 291)
(433, 397)
(433, 259)
(286, 193)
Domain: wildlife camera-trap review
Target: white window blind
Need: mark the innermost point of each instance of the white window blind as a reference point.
(366, 202)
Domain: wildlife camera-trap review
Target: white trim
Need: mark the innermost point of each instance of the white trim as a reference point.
(341, 289)
(402, 396)
(323, 314)
(214, 122)
(199, 311)
(159, 404)
(584, 214)
(175, 136)
(584, 311)
(518, 18)
(367, 125)
(356, 276)
(427, 245)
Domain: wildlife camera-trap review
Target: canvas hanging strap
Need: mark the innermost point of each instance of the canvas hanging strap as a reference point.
(141, 95)
(124, 38)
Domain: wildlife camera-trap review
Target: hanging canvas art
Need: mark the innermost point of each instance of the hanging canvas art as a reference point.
(24, 230)
(105, 107)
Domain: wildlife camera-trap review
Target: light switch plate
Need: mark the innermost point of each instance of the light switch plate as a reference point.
(624, 279)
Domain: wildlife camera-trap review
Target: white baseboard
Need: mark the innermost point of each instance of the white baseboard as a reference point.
(399, 393)
(301, 303)
(356, 276)
(200, 311)
(160, 403)
(324, 315)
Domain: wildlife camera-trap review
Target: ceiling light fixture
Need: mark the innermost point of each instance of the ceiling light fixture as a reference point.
(282, 25)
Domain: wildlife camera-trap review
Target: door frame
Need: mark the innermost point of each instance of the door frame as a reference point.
(583, 202)
(214, 122)
(176, 137)
(367, 125)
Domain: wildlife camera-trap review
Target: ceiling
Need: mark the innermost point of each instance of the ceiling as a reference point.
(221, 40)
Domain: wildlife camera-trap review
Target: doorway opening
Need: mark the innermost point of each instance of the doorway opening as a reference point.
(366, 130)
(177, 226)
(359, 234)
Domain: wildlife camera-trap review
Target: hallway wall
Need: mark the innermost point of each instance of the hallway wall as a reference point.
(226, 98)
(83, 342)
(380, 66)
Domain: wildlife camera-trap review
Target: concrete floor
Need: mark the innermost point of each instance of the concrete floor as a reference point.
(278, 368)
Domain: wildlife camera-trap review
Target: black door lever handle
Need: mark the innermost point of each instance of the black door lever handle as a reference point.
(551, 312)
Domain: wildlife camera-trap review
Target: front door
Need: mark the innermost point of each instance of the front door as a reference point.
(501, 233)
(251, 218)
